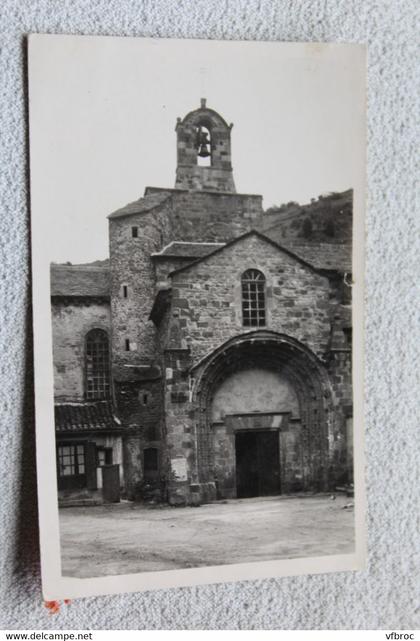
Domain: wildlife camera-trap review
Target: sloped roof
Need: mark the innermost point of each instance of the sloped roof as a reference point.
(203, 111)
(142, 205)
(86, 416)
(180, 249)
(80, 280)
(239, 239)
(322, 255)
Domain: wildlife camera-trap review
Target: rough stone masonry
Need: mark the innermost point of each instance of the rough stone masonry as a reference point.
(210, 356)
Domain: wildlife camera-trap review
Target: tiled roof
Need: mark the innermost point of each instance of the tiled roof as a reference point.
(87, 416)
(321, 255)
(180, 249)
(146, 203)
(80, 280)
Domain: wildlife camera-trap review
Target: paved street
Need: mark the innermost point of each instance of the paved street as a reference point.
(127, 538)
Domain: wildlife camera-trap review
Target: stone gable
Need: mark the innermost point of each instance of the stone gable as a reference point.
(207, 296)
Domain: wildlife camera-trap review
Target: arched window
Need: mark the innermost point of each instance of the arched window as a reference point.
(97, 364)
(203, 145)
(253, 298)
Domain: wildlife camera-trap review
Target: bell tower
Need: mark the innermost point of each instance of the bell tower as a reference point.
(204, 151)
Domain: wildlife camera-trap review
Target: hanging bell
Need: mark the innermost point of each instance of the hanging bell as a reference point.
(204, 151)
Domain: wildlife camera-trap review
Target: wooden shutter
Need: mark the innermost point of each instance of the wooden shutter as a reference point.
(91, 466)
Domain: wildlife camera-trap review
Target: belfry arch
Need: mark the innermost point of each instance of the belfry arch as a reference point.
(204, 155)
(301, 436)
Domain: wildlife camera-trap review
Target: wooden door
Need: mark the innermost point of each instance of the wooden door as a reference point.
(257, 463)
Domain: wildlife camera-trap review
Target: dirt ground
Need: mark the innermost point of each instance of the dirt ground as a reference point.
(126, 538)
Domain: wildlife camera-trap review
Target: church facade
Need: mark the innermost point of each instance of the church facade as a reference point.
(210, 356)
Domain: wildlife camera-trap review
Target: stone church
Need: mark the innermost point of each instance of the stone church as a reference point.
(210, 356)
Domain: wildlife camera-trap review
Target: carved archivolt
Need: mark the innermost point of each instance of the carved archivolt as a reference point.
(275, 352)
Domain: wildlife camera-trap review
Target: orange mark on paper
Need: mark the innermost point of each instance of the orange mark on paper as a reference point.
(54, 606)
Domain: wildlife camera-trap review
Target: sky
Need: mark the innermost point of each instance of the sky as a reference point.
(103, 112)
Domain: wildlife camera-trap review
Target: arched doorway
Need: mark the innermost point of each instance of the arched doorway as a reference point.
(262, 418)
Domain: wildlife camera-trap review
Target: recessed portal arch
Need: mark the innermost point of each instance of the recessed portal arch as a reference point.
(301, 420)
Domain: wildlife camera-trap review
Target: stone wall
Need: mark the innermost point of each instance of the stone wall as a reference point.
(201, 216)
(254, 390)
(218, 175)
(140, 407)
(131, 266)
(288, 437)
(180, 429)
(133, 466)
(165, 266)
(206, 310)
(208, 297)
(341, 446)
(71, 321)
(256, 399)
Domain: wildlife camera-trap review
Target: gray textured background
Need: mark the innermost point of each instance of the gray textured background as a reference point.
(384, 596)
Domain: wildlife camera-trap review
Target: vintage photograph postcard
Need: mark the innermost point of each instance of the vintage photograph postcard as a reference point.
(197, 212)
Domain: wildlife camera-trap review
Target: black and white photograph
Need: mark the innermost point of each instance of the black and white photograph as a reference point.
(197, 230)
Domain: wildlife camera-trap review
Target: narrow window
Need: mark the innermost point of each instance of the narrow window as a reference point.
(253, 298)
(135, 232)
(97, 365)
(125, 291)
(127, 344)
(145, 398)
